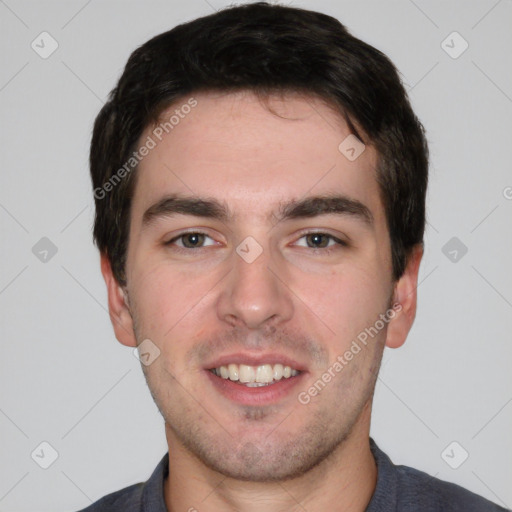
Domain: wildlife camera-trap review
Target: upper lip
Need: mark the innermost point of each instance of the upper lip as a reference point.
(255, 360)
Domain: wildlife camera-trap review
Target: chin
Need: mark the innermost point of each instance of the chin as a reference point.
(284, 458)
(260, 468)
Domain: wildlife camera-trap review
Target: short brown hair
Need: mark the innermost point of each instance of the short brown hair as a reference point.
(264, 48)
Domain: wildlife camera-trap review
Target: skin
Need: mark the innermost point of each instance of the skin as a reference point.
(297, 301)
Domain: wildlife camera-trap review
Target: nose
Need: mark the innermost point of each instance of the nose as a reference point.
(255, 293)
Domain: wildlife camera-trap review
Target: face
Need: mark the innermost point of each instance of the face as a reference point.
(254, 290)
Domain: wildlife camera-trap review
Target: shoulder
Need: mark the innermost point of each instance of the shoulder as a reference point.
(405, 489)
(419, 491)
(125, 500)
(147, 495)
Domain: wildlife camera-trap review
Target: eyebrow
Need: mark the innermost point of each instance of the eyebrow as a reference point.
(212, 208)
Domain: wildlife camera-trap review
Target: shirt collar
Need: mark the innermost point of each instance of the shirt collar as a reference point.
(384, 498)
(152, 499)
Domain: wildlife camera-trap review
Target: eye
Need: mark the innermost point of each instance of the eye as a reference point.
(318, 240)
(314, 240)
(190, 240)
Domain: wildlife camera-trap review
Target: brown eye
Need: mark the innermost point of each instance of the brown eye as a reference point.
(318, 240)
(191, 240)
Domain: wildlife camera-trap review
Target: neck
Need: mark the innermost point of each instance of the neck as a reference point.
(346, 480)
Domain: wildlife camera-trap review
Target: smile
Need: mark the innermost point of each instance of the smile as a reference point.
(255, 376)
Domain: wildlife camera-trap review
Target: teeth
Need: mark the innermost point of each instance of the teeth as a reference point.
(278, 371)
(255, 376)
(264, 373)
(246, 373)
(232, 371)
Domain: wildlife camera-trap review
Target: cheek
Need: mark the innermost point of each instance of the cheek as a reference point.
(345, 301)
(164, 296)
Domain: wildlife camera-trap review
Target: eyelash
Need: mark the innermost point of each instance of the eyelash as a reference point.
(325, 250)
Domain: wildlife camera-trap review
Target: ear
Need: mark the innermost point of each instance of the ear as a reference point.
(118, 306)
(405, 295)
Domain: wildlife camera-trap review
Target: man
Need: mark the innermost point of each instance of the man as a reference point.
(260, 184)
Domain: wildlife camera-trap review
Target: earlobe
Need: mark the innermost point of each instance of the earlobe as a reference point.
(406, 295)
(118, 305)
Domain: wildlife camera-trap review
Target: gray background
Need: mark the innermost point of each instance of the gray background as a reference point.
(65, 380)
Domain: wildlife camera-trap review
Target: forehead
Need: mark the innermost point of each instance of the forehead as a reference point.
(252, 154)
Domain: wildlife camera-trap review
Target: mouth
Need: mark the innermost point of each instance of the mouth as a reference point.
(255, 376)
(255, 384)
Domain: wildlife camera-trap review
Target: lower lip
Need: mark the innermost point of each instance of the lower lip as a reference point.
(262, 395)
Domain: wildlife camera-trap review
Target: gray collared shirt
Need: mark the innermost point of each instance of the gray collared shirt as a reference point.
(399, 489)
